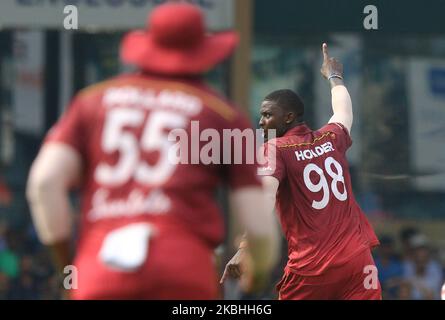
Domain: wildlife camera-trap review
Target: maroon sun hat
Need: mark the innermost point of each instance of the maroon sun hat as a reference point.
(175, 42)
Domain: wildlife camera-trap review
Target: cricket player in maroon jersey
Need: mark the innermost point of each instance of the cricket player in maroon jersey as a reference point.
(329, 238)
(149, 225)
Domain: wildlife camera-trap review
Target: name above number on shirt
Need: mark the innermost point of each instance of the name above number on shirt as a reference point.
(337, 177)
(314, 153)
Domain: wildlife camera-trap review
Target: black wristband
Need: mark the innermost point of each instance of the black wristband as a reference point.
(334, 75)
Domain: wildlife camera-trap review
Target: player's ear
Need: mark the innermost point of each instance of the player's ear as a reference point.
(290, 117)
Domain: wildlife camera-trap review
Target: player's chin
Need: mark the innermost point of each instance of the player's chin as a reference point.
(264, 134)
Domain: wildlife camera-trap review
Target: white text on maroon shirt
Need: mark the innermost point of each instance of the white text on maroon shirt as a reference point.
(315, 152)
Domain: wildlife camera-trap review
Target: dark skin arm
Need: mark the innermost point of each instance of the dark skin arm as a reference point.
(331, 66)
(332, 70)
(61, 256)
(233, 267)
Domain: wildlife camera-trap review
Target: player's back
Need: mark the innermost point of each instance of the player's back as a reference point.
(322, 222)
(149, 185)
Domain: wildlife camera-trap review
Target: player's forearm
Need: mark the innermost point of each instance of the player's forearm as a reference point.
(265, 251)
(270, 185)
(50, 208)
(341, 104)
(336, 82)
(261, 231)
(56, 169)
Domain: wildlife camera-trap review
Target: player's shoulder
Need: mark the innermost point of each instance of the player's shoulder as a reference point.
(99, 88)
(337, 133)
(283, 142)
(334, 127)
(219, 104)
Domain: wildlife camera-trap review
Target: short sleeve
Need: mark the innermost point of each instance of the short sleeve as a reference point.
(243, 169)
(341, 138)
(273, 164)
(69, 129)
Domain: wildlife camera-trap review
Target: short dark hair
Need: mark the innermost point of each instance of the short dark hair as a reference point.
(287, 100)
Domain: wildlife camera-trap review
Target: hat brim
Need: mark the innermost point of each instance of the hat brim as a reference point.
(138, 48)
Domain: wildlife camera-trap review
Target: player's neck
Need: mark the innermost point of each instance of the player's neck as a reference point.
(295, 124)
(193, 77)
(292, 126)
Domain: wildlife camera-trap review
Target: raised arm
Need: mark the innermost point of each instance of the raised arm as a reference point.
(332, 70)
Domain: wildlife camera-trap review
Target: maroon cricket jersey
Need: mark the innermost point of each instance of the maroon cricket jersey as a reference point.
(323, 224)
(121, 130)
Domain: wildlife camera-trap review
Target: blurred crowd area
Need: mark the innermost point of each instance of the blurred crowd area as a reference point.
(412, 273)
(26, 272)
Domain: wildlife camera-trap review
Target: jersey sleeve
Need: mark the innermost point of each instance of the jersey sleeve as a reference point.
(342, 139)
(243, 168)
(273, 164)
(69, 129)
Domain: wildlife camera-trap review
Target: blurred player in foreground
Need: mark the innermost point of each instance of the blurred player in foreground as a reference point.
(329, 238)
(149, 225)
